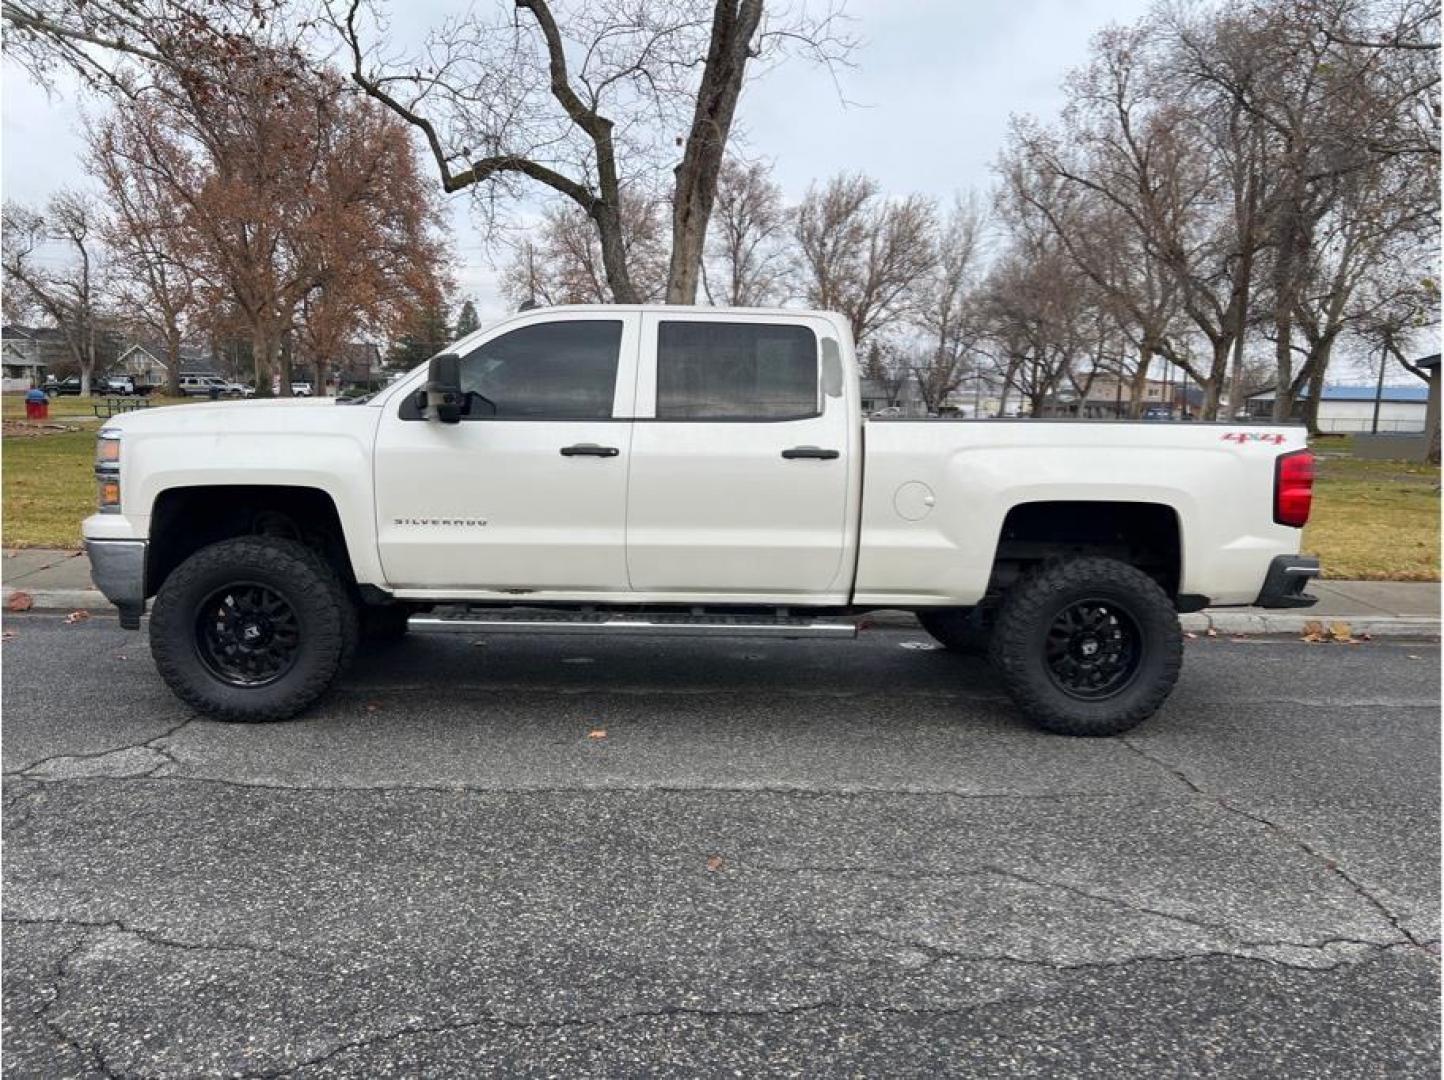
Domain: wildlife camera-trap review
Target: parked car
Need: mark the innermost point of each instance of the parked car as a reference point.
(301, 389)
(198, 385)
(68, 387)
(673, 470)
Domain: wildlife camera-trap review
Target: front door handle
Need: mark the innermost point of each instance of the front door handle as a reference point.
(588, 449)
(810, 452)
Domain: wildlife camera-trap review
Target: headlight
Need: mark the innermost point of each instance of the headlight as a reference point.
(107, 471)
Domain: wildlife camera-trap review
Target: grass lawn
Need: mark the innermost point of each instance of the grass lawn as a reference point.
(1371, 519)
(1375, 520)
(49, 486)
(12, 406)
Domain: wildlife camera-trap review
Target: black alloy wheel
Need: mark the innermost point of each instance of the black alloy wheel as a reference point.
(1093, 649)
(247, 634)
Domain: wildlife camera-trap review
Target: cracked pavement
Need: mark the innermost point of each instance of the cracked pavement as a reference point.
(780, 858)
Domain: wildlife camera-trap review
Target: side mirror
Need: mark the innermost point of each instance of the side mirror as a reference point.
(444, 396)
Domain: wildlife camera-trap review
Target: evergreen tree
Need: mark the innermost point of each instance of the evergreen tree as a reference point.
(428, 334)
(467, 322)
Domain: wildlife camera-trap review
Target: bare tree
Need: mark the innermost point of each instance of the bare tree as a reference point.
(748, 225)
(1330, 105)
(1031, 307)
(561, 261)
(946, 308)
(583, 99)
(153, 268)
(861, 254)
(69, 296)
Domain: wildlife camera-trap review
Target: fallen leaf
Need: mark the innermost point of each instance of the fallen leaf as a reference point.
(20, 601)
(1314, 631)
(597, 733)
(1211, 632)
(77, 616)
(1340, 631)
(715, 863)
(7, 635)
(1190, 635)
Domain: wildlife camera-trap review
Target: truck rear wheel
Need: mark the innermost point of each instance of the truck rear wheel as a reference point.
(252, 629)
(1090, 646)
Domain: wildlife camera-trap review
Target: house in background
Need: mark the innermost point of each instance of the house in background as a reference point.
(1346, 409)
(358, 365)
(878, 394)
(1108, 398)
(29, 353)
(145, 363)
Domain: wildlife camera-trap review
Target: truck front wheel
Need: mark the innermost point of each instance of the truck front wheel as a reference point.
(1089, 646)
(252, 629)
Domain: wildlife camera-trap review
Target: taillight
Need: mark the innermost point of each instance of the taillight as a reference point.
(1294, 488)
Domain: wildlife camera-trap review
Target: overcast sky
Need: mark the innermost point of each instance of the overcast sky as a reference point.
(935, 82)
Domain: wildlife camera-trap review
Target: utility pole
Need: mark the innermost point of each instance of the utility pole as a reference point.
(1378, 389)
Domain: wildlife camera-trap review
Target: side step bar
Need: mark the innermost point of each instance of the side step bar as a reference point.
(463, 620)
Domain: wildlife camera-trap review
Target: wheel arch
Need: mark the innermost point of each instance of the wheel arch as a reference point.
(186, 518)
(1142, 533)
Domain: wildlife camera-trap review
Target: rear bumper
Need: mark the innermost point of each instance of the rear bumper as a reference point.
(118, 569)
(1287, 578)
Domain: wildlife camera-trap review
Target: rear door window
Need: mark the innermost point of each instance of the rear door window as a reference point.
(736, 371)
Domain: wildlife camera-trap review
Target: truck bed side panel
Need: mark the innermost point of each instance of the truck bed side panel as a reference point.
(935, 495)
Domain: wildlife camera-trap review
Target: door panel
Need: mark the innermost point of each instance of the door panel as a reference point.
(719, 504)
(493, 502)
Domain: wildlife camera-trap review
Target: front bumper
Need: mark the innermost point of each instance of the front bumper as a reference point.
(1285, 582)
(118, 569)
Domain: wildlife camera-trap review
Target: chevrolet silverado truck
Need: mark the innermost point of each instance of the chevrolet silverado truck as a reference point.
(671, 470)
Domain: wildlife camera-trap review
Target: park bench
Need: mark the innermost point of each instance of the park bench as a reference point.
(111, 406)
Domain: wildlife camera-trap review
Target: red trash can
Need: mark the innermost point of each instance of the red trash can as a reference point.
(37, 405)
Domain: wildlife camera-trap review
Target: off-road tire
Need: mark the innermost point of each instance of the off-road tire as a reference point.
(1017, 649)
(961, 630)
(325, 613)
(381, 624)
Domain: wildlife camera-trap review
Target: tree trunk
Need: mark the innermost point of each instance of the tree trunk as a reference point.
(1138, 391)
(1209, 409)
(1318, 367)
(1431, 420)
(733, 24)
(608, 219)
(1283, 364)
(285, 355)
(173, 363)
(262, 352)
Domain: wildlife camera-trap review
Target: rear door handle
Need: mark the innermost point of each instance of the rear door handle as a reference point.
(587, 449)
(810, 452)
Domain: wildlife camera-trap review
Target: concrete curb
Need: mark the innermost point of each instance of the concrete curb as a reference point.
(57, 599)
(1248, 622)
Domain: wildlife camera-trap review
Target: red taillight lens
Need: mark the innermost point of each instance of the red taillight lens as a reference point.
(1294, 488)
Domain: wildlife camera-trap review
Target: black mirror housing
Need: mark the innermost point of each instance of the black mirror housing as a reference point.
(444, 397)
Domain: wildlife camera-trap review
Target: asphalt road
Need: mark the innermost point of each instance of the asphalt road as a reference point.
(782, 858)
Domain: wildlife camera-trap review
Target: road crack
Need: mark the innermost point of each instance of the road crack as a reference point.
(33, 771)
(154, 937)
(1329, 863)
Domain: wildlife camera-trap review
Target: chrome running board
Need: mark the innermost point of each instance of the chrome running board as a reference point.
(463, 620)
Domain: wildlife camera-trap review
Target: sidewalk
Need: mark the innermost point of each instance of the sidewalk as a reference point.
(60, 581)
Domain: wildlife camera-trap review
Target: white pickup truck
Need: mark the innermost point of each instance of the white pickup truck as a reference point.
(670, 470)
